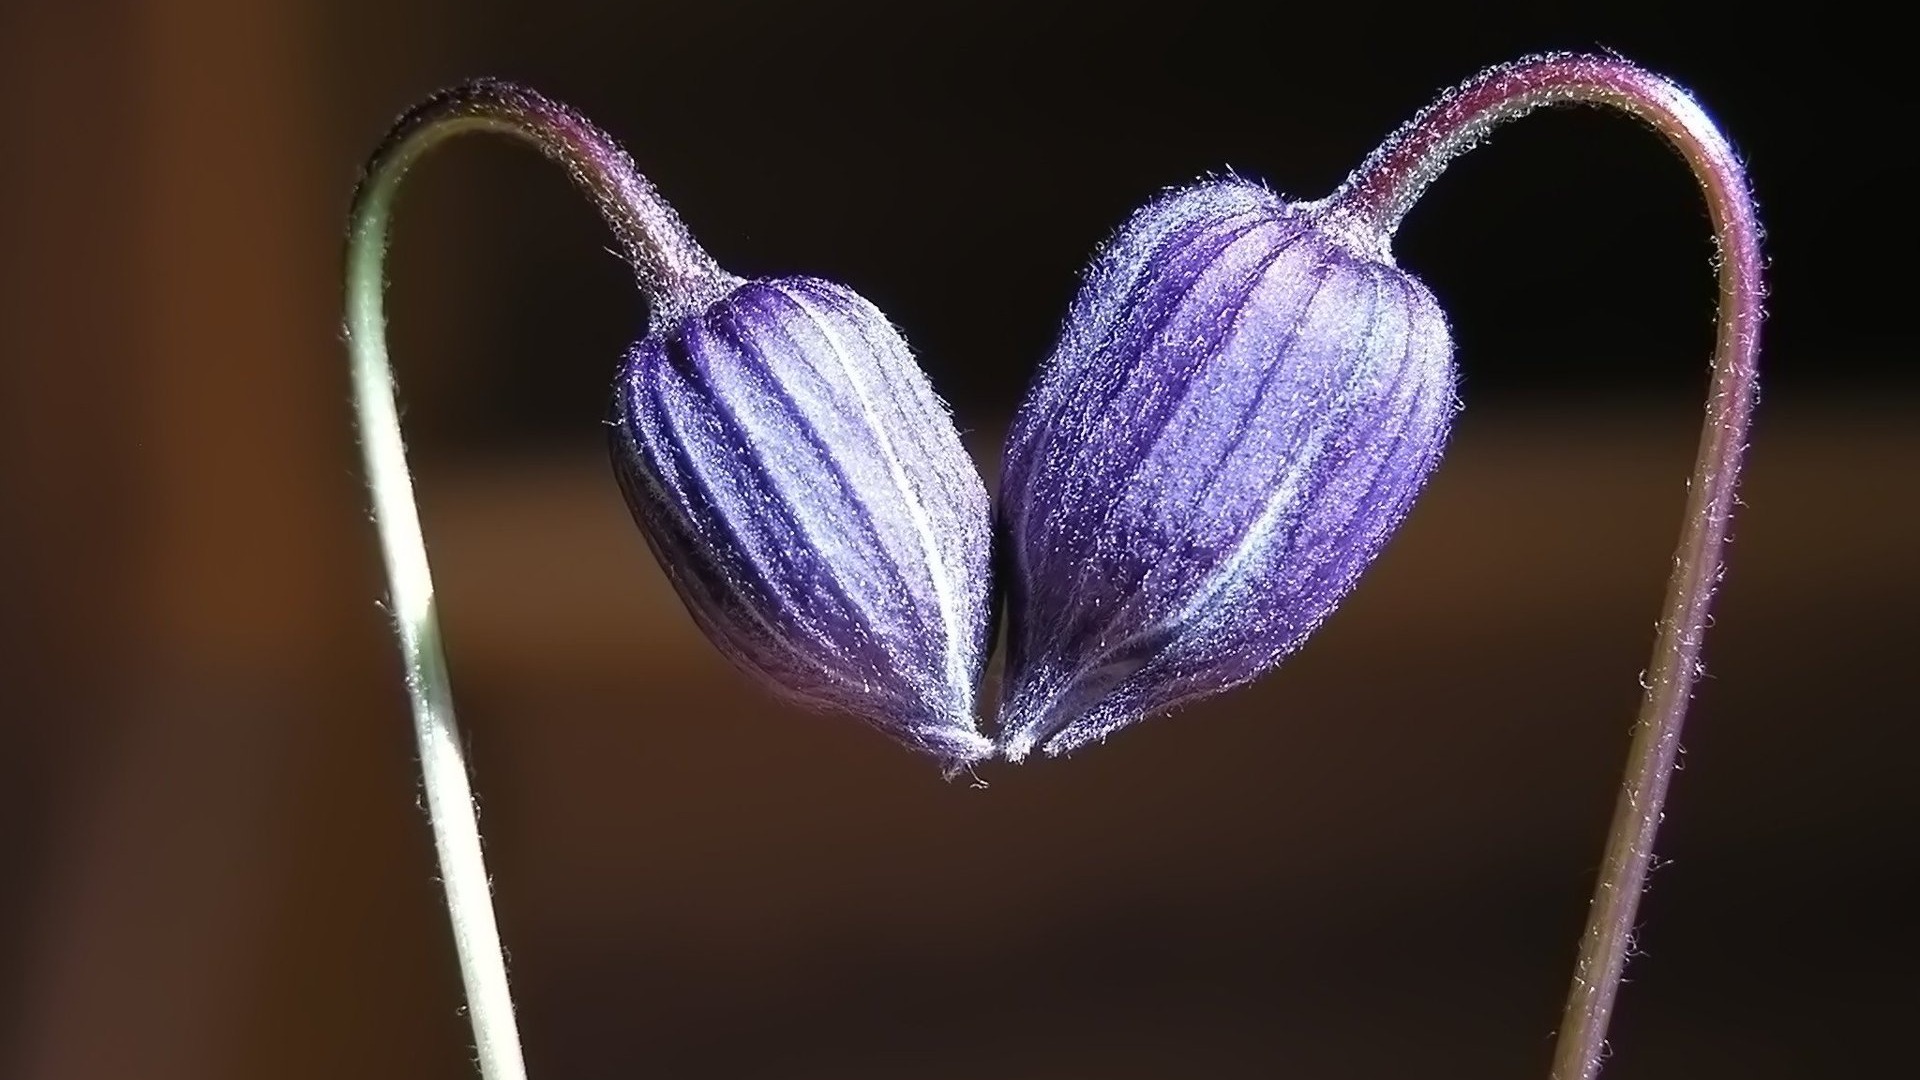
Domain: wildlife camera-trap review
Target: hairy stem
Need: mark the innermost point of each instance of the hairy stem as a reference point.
(1370, 205)
(674, 273)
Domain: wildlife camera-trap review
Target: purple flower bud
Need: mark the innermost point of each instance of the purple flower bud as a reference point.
(1245, 399)
(810, 499)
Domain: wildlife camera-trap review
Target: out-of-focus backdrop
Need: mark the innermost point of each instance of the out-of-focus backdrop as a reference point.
(1373, 864)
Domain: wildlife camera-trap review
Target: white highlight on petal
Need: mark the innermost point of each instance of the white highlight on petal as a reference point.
(958, 675)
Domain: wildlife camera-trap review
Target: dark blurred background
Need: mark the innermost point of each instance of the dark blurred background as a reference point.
(1372, 864)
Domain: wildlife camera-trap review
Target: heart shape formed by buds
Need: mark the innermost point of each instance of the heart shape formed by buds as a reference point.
(1245, 399)
(1242, 405)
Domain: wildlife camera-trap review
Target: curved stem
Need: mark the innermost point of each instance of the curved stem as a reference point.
(674, 273)
(1370, 205)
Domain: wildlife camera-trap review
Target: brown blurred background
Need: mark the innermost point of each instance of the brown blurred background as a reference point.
(1373, 864)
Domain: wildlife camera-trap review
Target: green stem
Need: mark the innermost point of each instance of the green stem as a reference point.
(1371, 204)
(674, 273)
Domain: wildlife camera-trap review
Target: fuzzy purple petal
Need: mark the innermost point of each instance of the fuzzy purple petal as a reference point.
(810, 499)
(1240, 410)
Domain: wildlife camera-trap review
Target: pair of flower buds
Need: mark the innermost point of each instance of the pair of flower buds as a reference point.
(1244, 400)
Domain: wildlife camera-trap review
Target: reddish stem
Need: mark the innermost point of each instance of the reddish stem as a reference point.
(1369, 207)
(675, 273)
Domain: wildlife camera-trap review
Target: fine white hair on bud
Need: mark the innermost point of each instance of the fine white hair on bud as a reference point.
(1241, 408)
